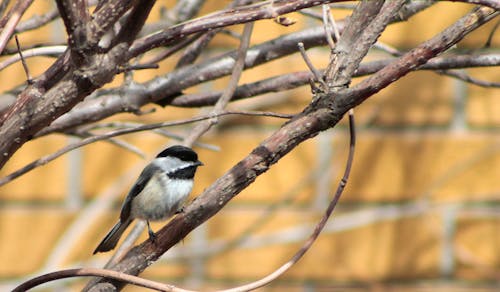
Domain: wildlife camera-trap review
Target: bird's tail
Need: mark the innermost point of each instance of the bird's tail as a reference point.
(111, 239)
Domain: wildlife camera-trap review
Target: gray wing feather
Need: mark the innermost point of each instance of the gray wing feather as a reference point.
(139, 185)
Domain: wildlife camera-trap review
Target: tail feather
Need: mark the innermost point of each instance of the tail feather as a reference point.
(111, 239)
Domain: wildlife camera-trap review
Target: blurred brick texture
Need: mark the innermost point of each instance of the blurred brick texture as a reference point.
(421, 207)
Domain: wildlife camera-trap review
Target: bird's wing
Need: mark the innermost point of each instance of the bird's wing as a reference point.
(139, 185)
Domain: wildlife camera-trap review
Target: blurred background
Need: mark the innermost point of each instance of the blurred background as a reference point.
(421, 211)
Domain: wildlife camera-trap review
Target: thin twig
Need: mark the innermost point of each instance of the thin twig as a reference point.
(42, 51)
(173, 49)
(119, 143)
(333, 24)
(46, 159)
(315, 72)
(37, 21)
(135, 67)
(158, 131)
(492, 33)
(461, 75)
(29, 80)
(224, 99)
(327, 27)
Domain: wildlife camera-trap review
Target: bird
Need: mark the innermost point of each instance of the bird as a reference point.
(158, 193)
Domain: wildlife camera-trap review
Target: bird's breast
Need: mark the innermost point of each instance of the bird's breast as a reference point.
(161, 198)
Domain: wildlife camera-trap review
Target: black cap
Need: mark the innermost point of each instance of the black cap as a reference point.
(182, 152)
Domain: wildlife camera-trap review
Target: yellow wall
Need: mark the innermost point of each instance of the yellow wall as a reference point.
(408, 156)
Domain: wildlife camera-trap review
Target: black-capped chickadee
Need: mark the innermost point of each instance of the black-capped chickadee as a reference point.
(158, 193)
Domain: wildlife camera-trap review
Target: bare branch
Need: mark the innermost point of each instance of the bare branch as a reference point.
(164, 88)
(46, 159)
(37, 21)
(11, 20)
(42, 51)
(297, 79)
(315, 72)
(365, 26)
(492, 33)
(489, 3)
(319, 227)
(75, 16)
(94, 272)
(328, 27)
(25, 66)
(467, 78)
(238, 15)
(226, 96)
(416, 57)
(134, 23)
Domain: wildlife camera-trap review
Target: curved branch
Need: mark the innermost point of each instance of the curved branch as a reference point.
(94, 272)
(43, 51)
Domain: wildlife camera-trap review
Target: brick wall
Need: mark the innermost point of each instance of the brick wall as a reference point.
(421, 207)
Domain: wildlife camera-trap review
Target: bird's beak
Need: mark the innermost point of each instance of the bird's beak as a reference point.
(199, 163)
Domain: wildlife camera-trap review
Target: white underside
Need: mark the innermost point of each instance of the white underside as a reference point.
(161, 198)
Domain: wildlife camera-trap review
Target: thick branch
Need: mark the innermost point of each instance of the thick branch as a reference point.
(238, 15)
(415, 58)
(35, 108)
(75, 16)
(297, 79)
(165, 88)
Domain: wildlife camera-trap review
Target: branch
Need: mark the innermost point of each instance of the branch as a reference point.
(36, 107)
(23, 61)
(75, 16)
(37, 21)
(495, 4)
(13, 18)
(319, 227)
(43, 51)
(467, 78)
(296, 79)
(46, 159)
(86, 272)
(365, 26)
(238, 15)
(415, 58)
(163, 89)
(226, 96)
